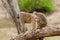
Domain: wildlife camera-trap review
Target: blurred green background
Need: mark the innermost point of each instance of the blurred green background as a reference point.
(36, 5)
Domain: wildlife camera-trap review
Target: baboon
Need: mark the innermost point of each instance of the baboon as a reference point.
(27, 18)
(37, 20)
(41, 20)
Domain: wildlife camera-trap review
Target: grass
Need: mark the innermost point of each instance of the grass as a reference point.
(52, 38)
(5, 22)
(7, 33)
(3, 36)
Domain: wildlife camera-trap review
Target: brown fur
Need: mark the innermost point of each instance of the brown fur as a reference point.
(41, 20)
(37, 20)
(27, 18)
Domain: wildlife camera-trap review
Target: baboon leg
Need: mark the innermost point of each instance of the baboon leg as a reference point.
(23, 28)
(33, 23)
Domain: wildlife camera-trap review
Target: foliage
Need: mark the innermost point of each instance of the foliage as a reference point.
(30, 5)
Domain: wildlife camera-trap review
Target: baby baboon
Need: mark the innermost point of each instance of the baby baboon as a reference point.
(41, 20)
(37, 20)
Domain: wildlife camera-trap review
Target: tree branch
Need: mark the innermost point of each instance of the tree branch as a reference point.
(44, 32)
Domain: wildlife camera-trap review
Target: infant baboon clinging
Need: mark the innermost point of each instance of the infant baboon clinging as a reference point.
(41, 20)
(37, 20)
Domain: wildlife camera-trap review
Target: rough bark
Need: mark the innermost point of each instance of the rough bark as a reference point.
(45, 32)
(13, 10)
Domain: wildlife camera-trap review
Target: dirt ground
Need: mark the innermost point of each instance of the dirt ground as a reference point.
(7, 29)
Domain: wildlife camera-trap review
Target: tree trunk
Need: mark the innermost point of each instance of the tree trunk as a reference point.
(13, 10)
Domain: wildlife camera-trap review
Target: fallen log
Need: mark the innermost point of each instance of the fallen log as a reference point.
(44, 32)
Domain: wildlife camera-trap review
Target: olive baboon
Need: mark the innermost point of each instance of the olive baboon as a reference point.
(37, 20)
(41, 20)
